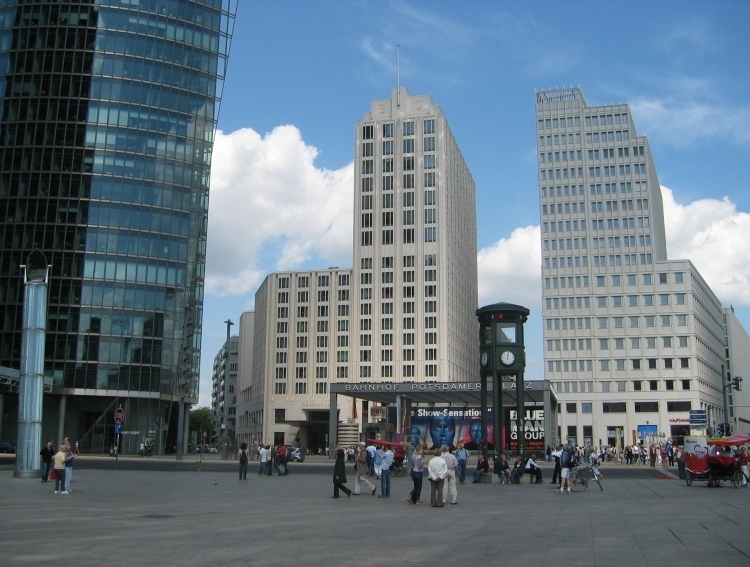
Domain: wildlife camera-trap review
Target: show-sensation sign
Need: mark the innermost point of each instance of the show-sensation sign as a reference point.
(437, 426)
(533, 429)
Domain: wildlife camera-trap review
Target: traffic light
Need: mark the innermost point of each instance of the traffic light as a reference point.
(737, 383)
(724, 430)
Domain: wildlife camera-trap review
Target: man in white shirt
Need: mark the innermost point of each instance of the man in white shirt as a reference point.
(449, 487)
(263, 454)
(437, 471)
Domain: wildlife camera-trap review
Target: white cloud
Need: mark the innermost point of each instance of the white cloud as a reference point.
(715, 236)
(269, 199)
(510, 269)
(683, 122)
(711, 233)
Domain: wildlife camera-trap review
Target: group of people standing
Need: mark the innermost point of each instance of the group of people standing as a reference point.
(268, 457)
(444, 472)
(61, 462)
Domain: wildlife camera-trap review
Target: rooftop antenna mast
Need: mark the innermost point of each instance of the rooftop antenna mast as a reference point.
(398, 75)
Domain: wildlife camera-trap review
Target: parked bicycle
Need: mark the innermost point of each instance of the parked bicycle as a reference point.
(580, 477)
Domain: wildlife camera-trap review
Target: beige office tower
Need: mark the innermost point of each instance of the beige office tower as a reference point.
(415, 254)
(405, 312)
(632, 340)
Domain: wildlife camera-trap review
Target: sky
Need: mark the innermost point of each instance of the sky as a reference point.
(302, 74)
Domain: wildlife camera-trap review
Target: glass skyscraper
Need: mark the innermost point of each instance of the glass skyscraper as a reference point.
(108, 113)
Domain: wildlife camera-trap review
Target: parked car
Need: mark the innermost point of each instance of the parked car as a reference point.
(295, 454)
(7, 447)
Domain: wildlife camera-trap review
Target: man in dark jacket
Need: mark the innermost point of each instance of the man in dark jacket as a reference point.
(48, 454)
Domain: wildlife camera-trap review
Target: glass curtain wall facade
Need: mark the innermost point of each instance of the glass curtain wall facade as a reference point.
(108, 116)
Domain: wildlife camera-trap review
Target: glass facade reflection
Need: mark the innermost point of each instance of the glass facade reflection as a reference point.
(108, 116)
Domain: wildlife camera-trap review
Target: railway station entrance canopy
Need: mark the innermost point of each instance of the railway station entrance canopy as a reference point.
(406, 395)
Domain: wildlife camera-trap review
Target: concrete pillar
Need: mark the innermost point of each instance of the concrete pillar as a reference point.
(61, 420)
(31, 378)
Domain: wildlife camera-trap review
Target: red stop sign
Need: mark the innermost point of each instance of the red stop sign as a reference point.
(119, 415)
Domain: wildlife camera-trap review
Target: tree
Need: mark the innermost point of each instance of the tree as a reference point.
(200, 421)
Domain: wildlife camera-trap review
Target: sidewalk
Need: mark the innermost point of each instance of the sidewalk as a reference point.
(165, 518)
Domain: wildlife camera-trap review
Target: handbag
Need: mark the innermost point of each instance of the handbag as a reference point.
(53, 474)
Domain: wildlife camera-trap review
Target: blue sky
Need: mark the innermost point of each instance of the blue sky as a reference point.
(301, 74)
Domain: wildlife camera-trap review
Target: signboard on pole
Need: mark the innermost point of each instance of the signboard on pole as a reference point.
(119, 415)
(698, 418)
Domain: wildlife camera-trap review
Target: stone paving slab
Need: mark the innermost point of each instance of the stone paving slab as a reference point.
(163, 518)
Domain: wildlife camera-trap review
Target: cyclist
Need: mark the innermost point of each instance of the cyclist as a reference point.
(593, 463)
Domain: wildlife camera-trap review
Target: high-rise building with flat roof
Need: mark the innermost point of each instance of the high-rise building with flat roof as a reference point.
(632, 341)
(108, 116)
(404, 312)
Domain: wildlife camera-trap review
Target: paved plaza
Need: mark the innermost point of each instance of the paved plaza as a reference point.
(172, 514)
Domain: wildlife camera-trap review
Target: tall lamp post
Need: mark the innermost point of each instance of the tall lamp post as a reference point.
(31, 380)
(225, 409)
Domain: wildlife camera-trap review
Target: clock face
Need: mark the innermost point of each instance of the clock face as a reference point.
(484, 359)
(507, 358)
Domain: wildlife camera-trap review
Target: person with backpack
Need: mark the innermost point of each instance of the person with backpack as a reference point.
(243, 461)
(567, 461)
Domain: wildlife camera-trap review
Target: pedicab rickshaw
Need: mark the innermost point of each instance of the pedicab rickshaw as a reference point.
(711, 460)
(399, 454)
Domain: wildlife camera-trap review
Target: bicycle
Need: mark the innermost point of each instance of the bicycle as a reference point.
(580, 476)
(398, 467)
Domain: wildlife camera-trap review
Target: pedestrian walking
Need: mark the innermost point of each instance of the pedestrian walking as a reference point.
(339, 475)
(362, 469)
(243, 461)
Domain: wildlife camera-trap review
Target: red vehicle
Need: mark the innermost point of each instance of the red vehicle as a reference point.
(712, 460)
(399, 454)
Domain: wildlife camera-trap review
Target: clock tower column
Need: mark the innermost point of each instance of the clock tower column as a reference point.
(502, 354)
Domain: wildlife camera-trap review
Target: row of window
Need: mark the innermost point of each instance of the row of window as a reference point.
(430, 235)
(594, 171)
(619, 407)
(408, 200)
(617, 343)
(594, 189)
(575, 121)
(429, 161)
(301, 388)
(634, 322)
(617, 365)
(430, 217)
(577, 155)
(304, 281)
(591, 138)
(631, 279)
(583, 386)
(387, 262)
(408, 145)
(428, 127)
